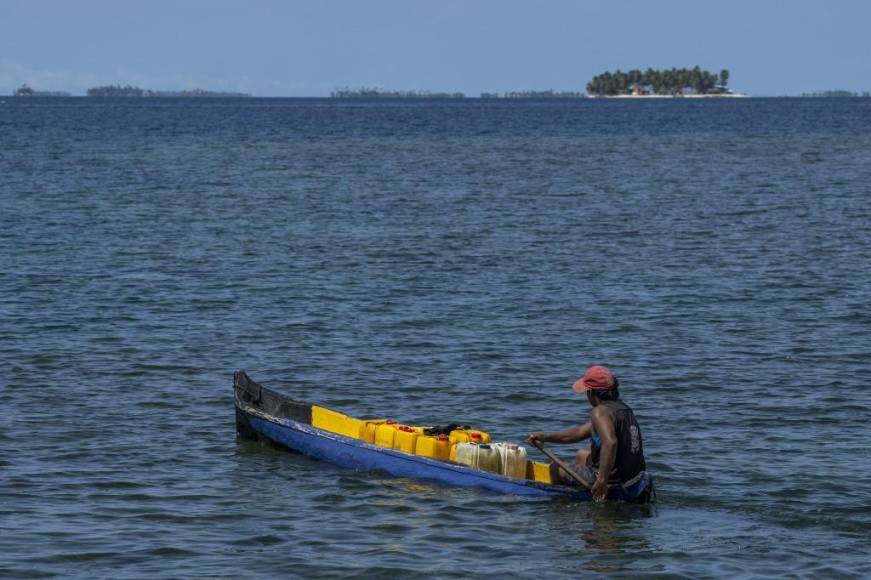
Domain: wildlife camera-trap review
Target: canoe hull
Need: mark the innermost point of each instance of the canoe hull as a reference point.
(354, 454)
(262, 414)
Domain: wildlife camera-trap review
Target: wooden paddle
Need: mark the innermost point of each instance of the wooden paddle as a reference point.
(563, 465)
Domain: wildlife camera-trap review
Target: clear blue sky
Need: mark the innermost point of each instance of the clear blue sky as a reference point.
(308, 48)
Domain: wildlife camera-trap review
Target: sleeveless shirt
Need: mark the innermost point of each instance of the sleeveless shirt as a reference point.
(629, 462)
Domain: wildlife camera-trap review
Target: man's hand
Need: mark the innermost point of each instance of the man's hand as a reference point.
(599, 489)
(537, 437)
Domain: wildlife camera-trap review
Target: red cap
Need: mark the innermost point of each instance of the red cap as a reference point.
(597, 378)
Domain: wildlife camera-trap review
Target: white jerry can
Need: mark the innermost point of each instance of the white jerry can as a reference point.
(467, 454)
(489, 458)
(481, 456)
(513, 459)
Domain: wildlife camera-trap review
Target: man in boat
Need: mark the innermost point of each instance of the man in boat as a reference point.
(616, 454)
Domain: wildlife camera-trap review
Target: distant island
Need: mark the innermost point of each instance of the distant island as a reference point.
(673, 82)
(548, 94)
(374, 93)
(131, 91)
(26, 91)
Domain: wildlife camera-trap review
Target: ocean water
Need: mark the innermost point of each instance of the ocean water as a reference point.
(432, 261)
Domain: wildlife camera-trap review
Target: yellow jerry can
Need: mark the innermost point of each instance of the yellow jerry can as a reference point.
(479, 437)
(367, 429)
(385, 433)
(537, 471)
(405, 439)
(469, 436)
(438, 447)
(352, 427)
(459, 436)
(327, 419)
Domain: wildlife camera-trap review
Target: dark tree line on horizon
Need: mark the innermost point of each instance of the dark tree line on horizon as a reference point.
(26, 91)
(658, 82)
(116, 91)
(131, 91)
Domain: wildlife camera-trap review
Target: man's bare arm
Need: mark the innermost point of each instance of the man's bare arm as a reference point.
(570, 435)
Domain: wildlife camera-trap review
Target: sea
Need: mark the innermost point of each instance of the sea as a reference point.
(433, 261)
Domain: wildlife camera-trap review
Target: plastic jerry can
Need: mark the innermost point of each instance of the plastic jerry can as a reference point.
(352, 427)
(327, 419)
(489, 458)
(513, 458)
(425, 446)
(479, 437)
(367, 430)
(466, 454)
(452, 454)
(459, 436)
(537, 471)
(404, 439)
(385, 433)
(469, 436)
(437, 447)
(443, 447)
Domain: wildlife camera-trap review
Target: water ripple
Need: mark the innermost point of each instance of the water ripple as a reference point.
(437, 262)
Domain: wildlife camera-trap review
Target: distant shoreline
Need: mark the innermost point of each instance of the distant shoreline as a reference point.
(587, 98)
(375, 94)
